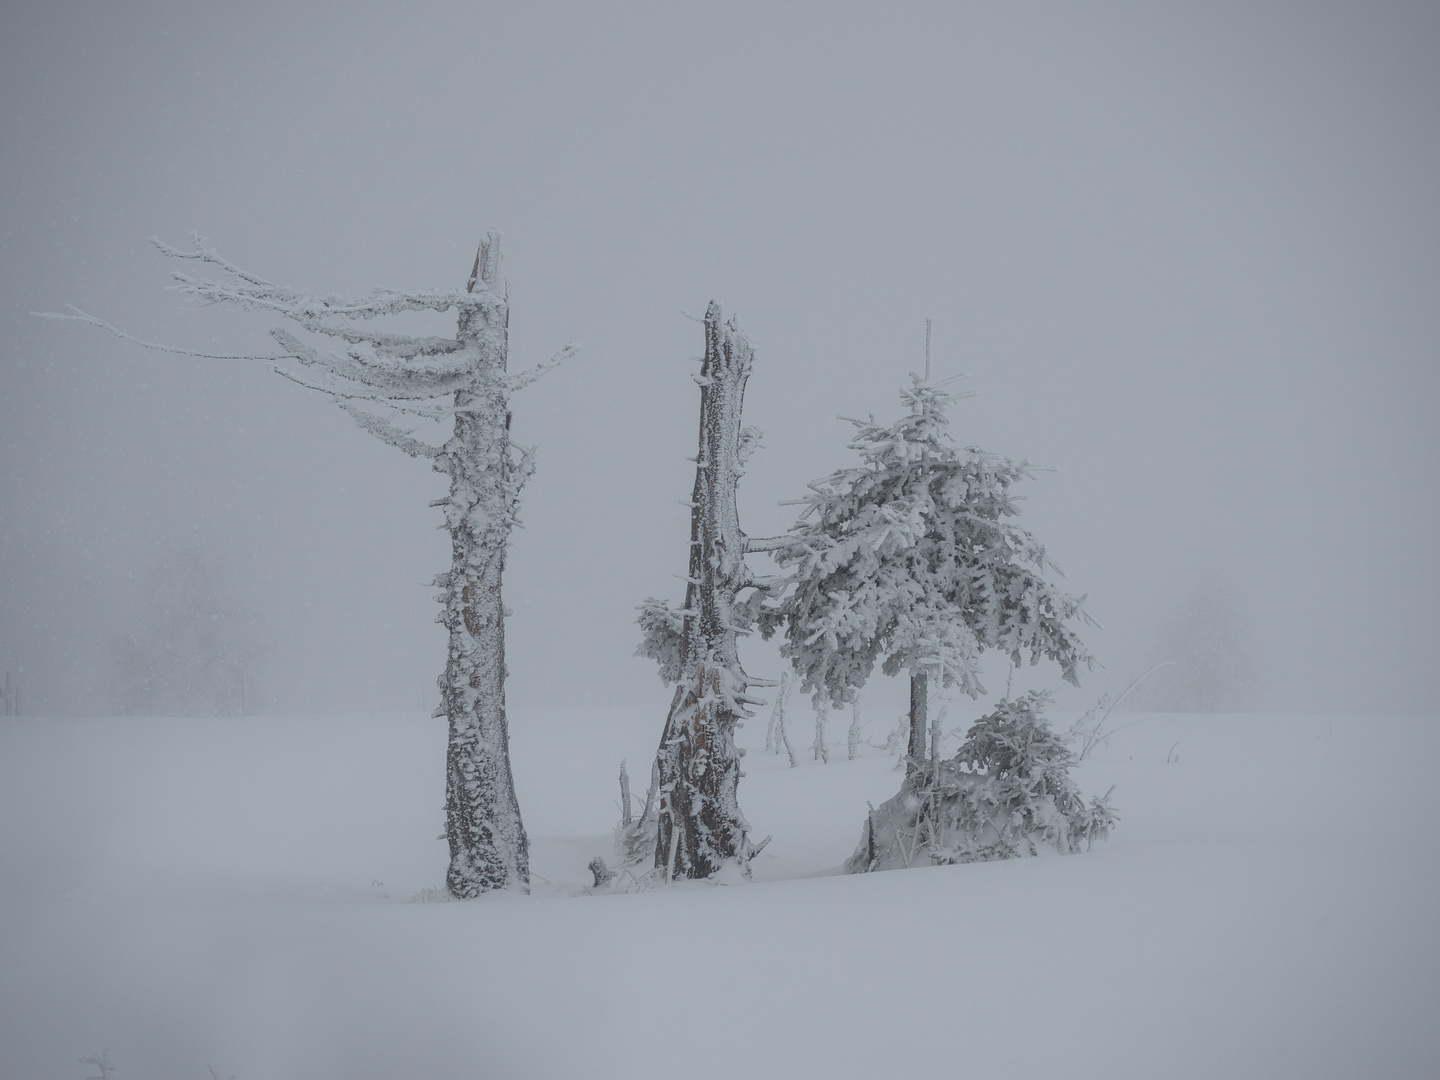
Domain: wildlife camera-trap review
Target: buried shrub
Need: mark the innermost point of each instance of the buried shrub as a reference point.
(1007, 793)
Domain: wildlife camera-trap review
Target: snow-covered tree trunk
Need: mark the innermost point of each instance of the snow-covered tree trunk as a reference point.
(819, 746)
(488, 847)
(626, 817)
(701, 826)
(919, 727)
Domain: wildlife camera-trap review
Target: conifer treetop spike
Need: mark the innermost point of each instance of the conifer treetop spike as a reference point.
(928, 322)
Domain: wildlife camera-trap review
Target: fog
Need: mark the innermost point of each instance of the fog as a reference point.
(1190, 259)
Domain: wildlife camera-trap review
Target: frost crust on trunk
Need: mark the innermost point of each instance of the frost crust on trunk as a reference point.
(488, 846)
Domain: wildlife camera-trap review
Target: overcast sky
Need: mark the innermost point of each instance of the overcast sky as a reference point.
(1189, 256)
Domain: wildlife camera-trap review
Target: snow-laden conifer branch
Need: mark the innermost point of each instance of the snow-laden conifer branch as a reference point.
(662, 631)
(397, 346)
(385, 431)
(387, 378)
(240, 288)
(338, 391)
(306, 306)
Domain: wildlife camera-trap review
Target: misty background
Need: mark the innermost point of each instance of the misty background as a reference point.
(1190, 258)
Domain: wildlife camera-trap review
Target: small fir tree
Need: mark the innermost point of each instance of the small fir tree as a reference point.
(1006, 793)
(912, 559)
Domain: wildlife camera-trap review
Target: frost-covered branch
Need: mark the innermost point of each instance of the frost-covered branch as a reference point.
(768, 543)
(385, 431)
(539, 371)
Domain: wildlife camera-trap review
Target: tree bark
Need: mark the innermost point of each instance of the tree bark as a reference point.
(488, 847)
(698, 761)
(919, 689)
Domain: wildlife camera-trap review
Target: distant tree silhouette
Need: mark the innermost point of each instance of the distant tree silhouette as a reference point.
(1212, 670)
(193, 649)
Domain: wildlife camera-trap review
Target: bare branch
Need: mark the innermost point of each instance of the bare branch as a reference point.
(80, 316)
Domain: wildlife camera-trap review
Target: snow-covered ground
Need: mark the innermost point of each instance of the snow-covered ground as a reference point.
(236, 894)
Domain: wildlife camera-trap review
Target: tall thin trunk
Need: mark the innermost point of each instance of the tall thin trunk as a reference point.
(698, 760)
(488, 847)
(918, 704)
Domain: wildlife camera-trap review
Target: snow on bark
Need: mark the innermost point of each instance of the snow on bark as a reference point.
(488, 848)
(700, 826)
(463, 379)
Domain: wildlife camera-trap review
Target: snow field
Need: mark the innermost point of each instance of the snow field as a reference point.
(234, 893)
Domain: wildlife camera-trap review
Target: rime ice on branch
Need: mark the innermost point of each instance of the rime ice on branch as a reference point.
(375, 377)
(700, 826)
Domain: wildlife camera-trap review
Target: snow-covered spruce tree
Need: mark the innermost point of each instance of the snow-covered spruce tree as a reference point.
(1007, 793)
(911, 559)
(699, 827)
(464, 379)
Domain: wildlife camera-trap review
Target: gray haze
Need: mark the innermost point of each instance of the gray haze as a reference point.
(1188, 257)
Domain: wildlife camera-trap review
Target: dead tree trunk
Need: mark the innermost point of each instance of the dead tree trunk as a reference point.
(701, 826)
(488, 847)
